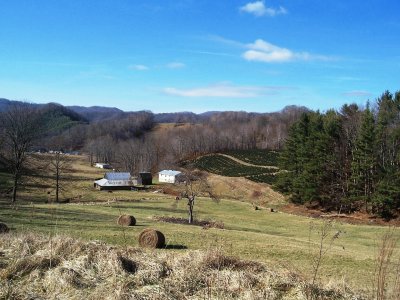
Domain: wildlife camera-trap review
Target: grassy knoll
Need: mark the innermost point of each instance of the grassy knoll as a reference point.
(277, 238)
(222, 165)
(259, 157)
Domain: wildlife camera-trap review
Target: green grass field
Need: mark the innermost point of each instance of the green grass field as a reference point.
(283, 240)
(276, 238)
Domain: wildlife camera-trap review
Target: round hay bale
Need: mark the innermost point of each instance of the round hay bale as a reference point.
(125, 220)
(4, 228)
(151, 238)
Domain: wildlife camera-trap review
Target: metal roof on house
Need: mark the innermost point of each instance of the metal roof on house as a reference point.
(117, 176)
(169, 172)
(101, 182)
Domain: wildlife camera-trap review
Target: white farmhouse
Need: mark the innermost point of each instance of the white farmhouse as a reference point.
(115, 181)
(169, 176)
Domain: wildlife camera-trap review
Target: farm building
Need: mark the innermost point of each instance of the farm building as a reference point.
(145, 178)
(115, 181)
(102, 166)
(169, 176)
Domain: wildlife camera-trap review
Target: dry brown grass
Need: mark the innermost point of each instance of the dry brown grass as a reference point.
(386, 281)
(33, 267)
(241, 188)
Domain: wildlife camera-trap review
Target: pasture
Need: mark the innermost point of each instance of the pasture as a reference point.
(279, 239)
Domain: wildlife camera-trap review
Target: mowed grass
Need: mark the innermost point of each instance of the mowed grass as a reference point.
(276, 238)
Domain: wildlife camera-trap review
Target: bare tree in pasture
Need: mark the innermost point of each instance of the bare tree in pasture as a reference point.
(58, 164)
(196, 185)
(20, 127)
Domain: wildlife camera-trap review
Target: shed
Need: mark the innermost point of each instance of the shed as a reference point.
(145, 178)
(102, 166)
(115, 181)
(169, 176)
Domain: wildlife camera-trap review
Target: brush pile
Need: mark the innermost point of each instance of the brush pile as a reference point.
(42, 267)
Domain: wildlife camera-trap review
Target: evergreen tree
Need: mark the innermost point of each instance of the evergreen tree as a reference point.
(364, 162)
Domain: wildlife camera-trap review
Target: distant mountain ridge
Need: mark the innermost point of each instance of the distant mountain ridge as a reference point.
(100, 113)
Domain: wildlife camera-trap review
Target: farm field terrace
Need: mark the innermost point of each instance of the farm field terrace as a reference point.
(225, 166)
(259, 157)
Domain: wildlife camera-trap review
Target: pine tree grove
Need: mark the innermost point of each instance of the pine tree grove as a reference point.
(346, 160)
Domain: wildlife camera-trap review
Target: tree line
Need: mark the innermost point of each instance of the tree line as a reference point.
(346, 160)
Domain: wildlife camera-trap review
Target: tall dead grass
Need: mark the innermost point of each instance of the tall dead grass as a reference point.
(94, 270)
(386, 280)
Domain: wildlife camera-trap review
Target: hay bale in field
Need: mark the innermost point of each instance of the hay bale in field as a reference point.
(151, 238)
(4, 228)
(125, 220)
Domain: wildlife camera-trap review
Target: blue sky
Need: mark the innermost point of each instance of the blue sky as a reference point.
(199, 55)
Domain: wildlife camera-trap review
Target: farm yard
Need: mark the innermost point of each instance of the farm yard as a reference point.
(281, 240)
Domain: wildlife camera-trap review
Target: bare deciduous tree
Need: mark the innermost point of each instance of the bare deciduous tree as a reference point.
(58, 164)
(196, 184)
(20, 127)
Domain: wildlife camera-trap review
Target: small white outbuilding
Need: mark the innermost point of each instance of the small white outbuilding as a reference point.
(102, 166)
(169, 176)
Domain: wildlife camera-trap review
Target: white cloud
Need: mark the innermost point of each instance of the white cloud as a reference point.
(264, 51)
(223, 90)
(259, 9)
(176, 65)
(139, 67)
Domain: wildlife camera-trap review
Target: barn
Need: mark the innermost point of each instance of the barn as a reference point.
(115, 181)
(169, 176)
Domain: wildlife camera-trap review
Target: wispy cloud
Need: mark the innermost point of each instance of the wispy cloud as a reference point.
(138, 67)
(223, 90)
(357, 93)
(201, 52)
(258, 8)
(175, 65)
(266, 52)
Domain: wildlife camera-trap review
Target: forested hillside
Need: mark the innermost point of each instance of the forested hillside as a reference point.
(346, 160)
(131, 140)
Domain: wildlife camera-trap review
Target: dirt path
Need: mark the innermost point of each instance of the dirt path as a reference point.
(246, 163)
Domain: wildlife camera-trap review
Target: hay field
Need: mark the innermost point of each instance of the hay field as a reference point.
(60, 267)
(280, 239)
